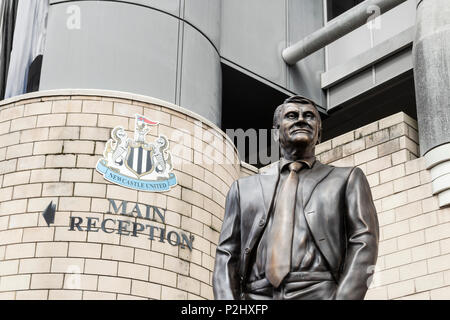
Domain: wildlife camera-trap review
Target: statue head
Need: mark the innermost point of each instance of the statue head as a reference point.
(299, 125)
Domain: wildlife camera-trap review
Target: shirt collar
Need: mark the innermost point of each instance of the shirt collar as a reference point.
(309, 162)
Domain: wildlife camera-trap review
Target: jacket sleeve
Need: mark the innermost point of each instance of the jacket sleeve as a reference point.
(362, 234)
(226, 281)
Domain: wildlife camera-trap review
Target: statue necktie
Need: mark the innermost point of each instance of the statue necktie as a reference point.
(279, 248)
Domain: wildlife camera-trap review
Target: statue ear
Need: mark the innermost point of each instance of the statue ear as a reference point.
(319, 138)
(276, 134)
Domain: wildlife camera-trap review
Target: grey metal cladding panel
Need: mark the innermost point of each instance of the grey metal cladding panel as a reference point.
(201, 86)
(394, 66)
(170, 6)
(350, 88)
(205, 15)
(254, 35)
(349, 46)
(395, 21)
(119, 47)
(304, 78)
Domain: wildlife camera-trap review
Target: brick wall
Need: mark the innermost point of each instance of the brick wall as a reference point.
(49, 147)
(414, 250)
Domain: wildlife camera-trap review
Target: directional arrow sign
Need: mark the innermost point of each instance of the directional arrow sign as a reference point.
(49, 213)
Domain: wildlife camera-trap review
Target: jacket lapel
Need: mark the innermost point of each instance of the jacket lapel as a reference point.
(312, 179)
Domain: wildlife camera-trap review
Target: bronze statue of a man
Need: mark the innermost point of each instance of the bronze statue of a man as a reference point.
(302, 229)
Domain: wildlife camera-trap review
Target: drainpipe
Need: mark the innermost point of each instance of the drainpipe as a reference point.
(431, 58)
(337, 28)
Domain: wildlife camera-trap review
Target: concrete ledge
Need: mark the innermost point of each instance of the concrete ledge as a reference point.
(438, 162)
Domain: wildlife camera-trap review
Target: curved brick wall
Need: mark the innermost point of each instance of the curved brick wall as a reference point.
(50, 143)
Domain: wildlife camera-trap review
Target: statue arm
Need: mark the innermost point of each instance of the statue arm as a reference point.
(362, 238)
(226, 281)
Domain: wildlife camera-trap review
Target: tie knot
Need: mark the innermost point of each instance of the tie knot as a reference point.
(295, 166)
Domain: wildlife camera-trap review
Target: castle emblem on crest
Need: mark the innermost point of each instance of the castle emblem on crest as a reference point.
(135, 163)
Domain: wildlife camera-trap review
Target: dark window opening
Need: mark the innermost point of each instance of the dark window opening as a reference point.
(338, 7)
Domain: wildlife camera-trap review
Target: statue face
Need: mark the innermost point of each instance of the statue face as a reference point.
(299, 126)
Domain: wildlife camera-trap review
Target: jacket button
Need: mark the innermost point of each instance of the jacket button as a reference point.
(262, 222)
(242, 296)
(247, 250)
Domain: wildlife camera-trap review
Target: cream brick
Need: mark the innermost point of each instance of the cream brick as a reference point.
(201, 215)
(320, 148)
(401, 156)
(146, 289)
(9, 139)
(445, 245)
(35, 265)
(64, 106)
(438, 232)
(64, 295)
(32, 135)
(192, 197)
(22, 250)
(46, 281)
(118, 285)
(439, 263)
(199, 273)
(366, 130)
(23, 220)
(57, 189)
(408, 211)
(149, 258)
(51, 249)
(4, 222)
(44, 175)
(420, 193)
(9, 267)
(76, 175)
(161, 117)
(60, 161)
(5, 127)
(425, 251)
(81, 119)
(63, 234)
(423, 221)
(51, 120)
(74, 204)
(400, 289)
(8, 166)
(377, 138)
(428, 282)
(377, 294)
(411, 240)
(104, 107)
(418, 296)
(10, 236)
(387, 246)
(32, 295)
(389, 147)
(206, 291)
(133, 271)
(392, 174)
(383, 278)
(112, 121)
(11, 113)
(379, 165)
(414, 166)
(79, 147)
(173, 294)
(163, 277)
(12, 207)
(398, 258)
(141, 241)
(406, 143)
(67, 265)
(179, 206)
(413, 270)
(19, 150)
(26, 163)
(116, 192)
(343, 139)
(392, 120)
(38, 108)
(94, 295)
(101, 267)
(48, 147)
(407, 182)
(17, 282)
(16, 178)
(440, 294)
(27, 191)
(176, 265)
(84, 250)
(430, 204)
(102, 237)
(77, 281)
(344, 162)
(95, 133)
(90, 190)
(383, 190)
(38, 234)
(117, 253)
(394, 201)
(366, 156)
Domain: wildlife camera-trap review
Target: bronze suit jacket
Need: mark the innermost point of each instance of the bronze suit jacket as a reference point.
(338, 207)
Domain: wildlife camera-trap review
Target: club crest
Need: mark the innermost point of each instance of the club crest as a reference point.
(135, 163)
